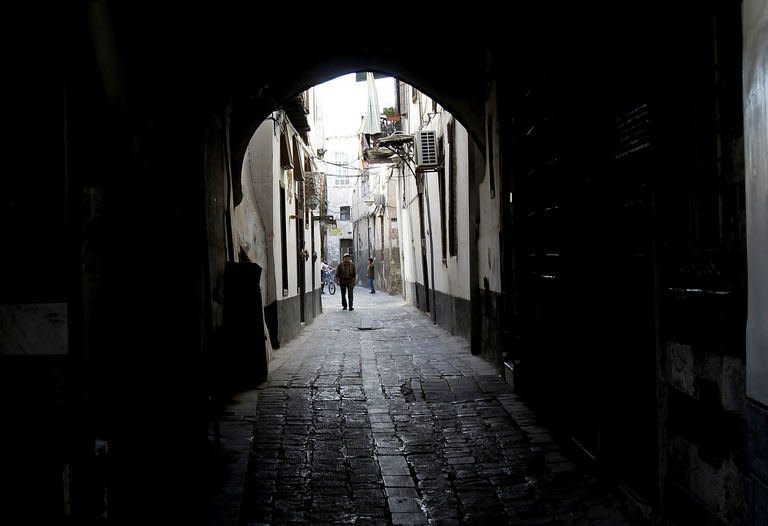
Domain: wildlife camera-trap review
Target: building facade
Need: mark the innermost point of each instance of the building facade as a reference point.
(447, 217)
(342, 170)
(376, 228)
(276, 224)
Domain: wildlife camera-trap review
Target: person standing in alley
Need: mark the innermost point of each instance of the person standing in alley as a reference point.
(371, 274)
(325, 275)
(346, 277)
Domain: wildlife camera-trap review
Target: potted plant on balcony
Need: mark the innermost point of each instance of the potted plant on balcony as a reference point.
(389, 113)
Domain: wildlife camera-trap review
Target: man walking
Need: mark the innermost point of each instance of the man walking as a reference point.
(371, 273)
(347, 277)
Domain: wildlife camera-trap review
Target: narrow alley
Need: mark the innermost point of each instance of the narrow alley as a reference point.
(377, 416)
(563, 211)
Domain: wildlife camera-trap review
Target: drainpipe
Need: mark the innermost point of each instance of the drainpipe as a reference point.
(422, 236)
(431, 250)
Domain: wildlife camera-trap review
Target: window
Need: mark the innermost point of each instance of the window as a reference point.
(344, 213)
(341, 169)
(342, 181)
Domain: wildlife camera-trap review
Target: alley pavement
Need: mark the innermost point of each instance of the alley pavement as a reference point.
(377, 416)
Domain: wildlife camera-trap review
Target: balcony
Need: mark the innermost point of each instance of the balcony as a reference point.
(390, 124)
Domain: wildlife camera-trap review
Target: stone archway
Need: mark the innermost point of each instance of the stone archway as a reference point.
(140, 90)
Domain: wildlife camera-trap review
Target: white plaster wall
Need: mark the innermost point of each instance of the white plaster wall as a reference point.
(404, 196)
(392, 228)
(343, 230)
(339, 196)
(316, 140)
(405, 230)
(314, 232)
(451, 276)
(489, 263)
(413, 269)
(459, 266)
(432, 223)
(252, 219)
(286, 176)
(256, 220)
(410, 231)
(755, 28)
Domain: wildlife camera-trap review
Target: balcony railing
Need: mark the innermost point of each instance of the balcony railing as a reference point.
(389, 125)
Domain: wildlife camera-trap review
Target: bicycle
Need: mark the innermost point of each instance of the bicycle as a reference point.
(331, 285)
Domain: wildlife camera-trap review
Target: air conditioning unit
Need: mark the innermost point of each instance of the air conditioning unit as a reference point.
(426, 149)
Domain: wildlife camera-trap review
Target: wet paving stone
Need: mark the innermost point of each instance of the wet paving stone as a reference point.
(402, 425)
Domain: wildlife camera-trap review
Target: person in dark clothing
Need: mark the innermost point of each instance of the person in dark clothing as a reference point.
(325, 275)
(346, 277)
(371, 273)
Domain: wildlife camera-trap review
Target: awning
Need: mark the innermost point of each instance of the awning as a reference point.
(372, 124)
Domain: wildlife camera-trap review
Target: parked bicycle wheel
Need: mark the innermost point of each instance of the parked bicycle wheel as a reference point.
(331, 288)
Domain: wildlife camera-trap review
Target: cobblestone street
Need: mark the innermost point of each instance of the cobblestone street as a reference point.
(377, 416)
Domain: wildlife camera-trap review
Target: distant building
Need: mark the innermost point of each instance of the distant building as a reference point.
(342, 169)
